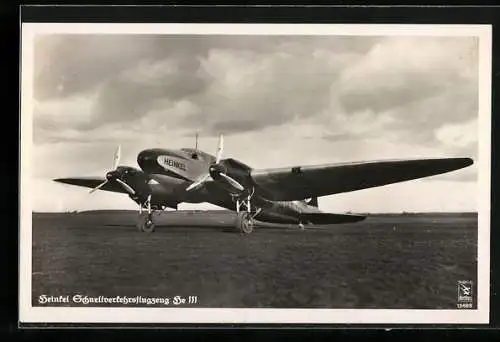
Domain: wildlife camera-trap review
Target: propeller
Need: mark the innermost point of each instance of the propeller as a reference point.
(233, 182)
(125, 186)
(220, 149)
(198, 183)
(216, 169)
(115, 175)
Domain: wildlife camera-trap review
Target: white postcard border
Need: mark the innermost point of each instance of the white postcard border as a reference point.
(30, 314)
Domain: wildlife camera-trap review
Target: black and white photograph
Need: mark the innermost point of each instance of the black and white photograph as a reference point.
(255, 173)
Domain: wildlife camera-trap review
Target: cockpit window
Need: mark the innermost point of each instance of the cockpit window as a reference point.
(197, 154)
(192, 152)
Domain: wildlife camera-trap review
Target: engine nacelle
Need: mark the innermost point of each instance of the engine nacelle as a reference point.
(135, 179)
(233, 175)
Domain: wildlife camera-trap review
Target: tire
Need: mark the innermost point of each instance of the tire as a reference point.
(146, 224)
(140, 223)
(244, 223)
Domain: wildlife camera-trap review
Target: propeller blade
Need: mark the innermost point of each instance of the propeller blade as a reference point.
(198, 183)
(98, 187)
(220, 149)
(127, 187)
(116, 159)
(233, 182)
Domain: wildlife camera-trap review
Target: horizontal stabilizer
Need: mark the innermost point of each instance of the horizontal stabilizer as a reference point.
(326, 218)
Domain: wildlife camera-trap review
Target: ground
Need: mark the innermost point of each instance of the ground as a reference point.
(387, 261)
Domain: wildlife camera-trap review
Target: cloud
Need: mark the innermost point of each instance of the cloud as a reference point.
(248, 83)
(242, 78)
(69, 64)
(458, 135)
(413, 196)
(412, 85)
(280, 100)
(399, 70)
(53, 116)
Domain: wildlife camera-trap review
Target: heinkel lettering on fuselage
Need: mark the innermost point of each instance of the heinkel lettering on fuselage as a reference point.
(169, 162)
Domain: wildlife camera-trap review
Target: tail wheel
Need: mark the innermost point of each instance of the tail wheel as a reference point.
(146, 224)
(245, 223)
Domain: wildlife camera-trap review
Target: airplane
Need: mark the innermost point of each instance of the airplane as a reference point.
(286, 195)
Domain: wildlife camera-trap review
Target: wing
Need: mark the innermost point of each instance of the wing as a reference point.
(301, 182)
(92, 182)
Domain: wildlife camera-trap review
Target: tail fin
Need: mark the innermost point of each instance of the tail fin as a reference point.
(313, 202)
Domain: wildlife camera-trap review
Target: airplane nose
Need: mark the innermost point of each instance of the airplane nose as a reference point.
(217, 168)
(141, 157)
(145, 157)
(111, 175)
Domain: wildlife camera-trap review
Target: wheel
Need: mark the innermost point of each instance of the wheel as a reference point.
(244, 223)
(146, 224)
(140, 221)
(301, 226)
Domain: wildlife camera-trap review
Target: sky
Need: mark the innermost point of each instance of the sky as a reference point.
(278, 100)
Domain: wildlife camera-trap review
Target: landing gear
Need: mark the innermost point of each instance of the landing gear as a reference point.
(245, 219)
(245, 222)
(145, 222)
(301, 226)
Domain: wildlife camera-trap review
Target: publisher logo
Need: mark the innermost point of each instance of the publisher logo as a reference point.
(464, 293)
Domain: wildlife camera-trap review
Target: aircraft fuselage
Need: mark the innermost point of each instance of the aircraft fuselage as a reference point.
(177, 169)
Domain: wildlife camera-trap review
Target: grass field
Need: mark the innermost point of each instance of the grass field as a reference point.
(387, 261)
